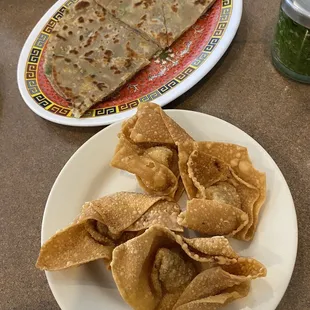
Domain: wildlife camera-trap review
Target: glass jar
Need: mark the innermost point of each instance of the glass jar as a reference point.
(291, 45)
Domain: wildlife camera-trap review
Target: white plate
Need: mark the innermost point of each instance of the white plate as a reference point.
(168, 86)
(88, 176)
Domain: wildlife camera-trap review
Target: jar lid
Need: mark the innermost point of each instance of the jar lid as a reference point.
(298, 11)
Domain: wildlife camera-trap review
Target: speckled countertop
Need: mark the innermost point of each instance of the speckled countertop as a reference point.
(243, 89)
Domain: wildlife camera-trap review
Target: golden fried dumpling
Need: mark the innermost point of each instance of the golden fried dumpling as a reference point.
(162, 270)
(239, 160)
(213, 218)
(212, 289)
(102, 225)
(209, 177)
(148, 148)
(151, 125)
(153, 176)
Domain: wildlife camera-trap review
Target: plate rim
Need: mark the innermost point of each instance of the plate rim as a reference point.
(172, 111)
(179, 90)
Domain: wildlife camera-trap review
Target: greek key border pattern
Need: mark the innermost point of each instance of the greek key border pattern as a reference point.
(31, 69)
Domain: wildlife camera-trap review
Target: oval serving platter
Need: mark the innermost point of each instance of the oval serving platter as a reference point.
(168, 76)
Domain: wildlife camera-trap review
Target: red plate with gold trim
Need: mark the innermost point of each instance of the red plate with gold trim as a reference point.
(167, 77)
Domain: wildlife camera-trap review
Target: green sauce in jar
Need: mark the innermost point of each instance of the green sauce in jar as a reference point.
(291, 48)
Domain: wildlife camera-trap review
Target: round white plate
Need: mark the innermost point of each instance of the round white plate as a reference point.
(196, 54)
(88, 176)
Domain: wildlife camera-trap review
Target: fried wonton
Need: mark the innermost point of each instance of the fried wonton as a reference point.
(102, 225)
(178, 134)
(209, 177)
(213, 218)
(238, 158)
(149, 126)
(212, 289)
(153, 126)
(153, 176)
(161, 270)
(147, 148)
(205, 170)
(76, 245)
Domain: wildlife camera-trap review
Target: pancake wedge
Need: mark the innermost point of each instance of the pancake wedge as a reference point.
(162, 21)
(91, 54)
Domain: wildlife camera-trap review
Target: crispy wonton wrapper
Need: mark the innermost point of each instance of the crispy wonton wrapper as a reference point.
(238, 158)
(213, 218)
(153, 126)
(147, 148)
(102, 225)
(153, 176)
(216, 181)
(178, 134)
(149, 126)
(209, 177)
(162, 270)
(212, 289)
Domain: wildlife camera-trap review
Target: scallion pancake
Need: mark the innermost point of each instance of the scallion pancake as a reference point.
(91, 54)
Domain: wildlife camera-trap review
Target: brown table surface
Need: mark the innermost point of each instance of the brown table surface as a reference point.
(243, 89)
